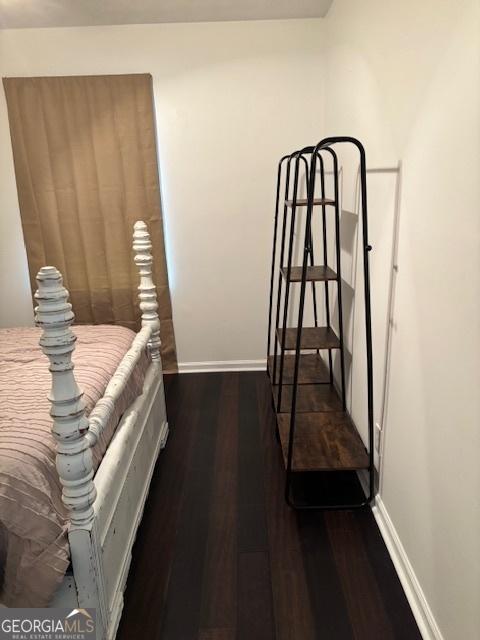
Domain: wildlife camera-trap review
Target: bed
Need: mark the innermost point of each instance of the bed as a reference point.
(72, 489)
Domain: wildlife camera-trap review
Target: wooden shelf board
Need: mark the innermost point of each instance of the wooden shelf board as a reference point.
(302, 202)
(312, 369)
(314, 274)
(312, 338)
(310, 398)
(323, 442)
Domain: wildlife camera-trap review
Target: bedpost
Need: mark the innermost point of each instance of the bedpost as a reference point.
(70, 425)
(142, 248)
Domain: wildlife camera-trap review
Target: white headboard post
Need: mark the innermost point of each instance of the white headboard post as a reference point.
(142, 248)
(74, 458)
(70, 427)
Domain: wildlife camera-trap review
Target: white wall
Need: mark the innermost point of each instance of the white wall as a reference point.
(404, 78)
(228, 106)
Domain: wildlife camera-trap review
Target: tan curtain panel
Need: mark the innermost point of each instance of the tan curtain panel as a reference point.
(86, 167)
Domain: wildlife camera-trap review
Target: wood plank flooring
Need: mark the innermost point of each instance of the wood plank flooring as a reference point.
(220, 556)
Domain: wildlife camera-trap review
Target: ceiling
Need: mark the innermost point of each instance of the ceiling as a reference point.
(15, 14)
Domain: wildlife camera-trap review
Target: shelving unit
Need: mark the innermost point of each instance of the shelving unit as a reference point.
(314, 429)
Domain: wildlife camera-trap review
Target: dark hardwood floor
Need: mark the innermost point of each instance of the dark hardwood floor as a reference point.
(220, 556)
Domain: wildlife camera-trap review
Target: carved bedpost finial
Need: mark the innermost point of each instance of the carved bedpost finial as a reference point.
(142, 247)
(70, 425)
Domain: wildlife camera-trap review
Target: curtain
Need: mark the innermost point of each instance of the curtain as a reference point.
(85, 159)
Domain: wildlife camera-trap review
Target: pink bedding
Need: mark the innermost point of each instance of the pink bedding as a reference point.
(34, 552)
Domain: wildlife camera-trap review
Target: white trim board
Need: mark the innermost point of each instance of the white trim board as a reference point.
(416, 598)
(222, 365)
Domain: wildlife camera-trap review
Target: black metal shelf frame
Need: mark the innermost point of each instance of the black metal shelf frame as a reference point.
(308, 157)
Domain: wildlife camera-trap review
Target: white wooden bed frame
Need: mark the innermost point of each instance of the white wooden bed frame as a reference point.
(104, 509)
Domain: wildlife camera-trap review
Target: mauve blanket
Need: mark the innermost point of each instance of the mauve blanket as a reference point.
(34, 552)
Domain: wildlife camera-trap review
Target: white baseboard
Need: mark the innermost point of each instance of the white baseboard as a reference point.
(222, 365)
(413, 591)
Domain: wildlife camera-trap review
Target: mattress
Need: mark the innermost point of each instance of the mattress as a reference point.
(34, 551)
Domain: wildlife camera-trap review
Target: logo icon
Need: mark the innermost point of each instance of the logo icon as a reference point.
(74, 612)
